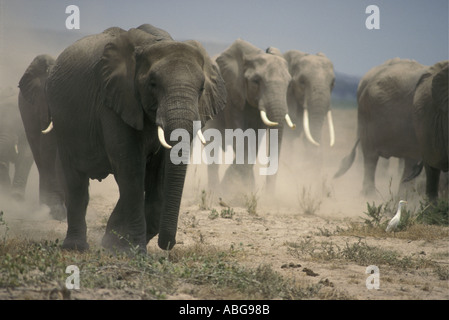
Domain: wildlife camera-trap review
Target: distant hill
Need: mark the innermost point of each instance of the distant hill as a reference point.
(345, 87)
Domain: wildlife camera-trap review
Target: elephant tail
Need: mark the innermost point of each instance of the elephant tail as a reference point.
(416, 170)
(347, 161)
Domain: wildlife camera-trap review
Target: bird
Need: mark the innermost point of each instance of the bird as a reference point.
(222, 203)
(392, 225)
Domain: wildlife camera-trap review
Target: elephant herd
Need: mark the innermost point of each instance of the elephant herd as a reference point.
(403, 113)
(110, 102)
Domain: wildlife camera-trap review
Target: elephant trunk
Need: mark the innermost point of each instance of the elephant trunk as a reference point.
(179, 114)
(173, 187)
(276, 111)
(315, 111)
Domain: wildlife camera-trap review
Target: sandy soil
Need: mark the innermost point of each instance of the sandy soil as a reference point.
(267, 235)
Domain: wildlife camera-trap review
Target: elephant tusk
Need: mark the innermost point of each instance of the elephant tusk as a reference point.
(289, 121)
(263, 116)
(49, 128)
(307, 129)
(200, 135)
(331, 128)
(161, 136)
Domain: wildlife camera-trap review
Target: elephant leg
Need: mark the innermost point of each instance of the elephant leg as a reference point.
(22, 170)
(5, 180)
(154, 180)
(213, 178)
(126, 227)
(406, 172)
(238, 178)
(369, 176)
(77, 192)
(432, 182)
(50, 186)
(115, 227)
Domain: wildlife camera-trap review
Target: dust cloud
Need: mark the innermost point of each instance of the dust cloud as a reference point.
(305, 177)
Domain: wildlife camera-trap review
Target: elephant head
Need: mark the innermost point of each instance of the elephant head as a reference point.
(256, 79)
(146, 79)
(32, 83)
(309, 93)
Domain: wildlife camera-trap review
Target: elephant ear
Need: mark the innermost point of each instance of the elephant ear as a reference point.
(213, 99)
(117, 68)
(440, 89)
(232, 67)
(32, 83)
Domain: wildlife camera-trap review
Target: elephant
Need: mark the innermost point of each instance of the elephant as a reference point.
(114, 99)
(14, 147)
(430, 122)
(385, 127)
(256, 84)
(35, 117)
(309, 94)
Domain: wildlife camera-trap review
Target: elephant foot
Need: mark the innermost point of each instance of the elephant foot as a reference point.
(115, 242)
(368, 192)
(75, 245)
(18, 196)
(58, 212)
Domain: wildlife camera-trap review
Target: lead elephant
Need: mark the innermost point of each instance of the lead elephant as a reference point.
(35, 116)
(385, 128)
(14, 147)
(256, 83)
(115, 98)
(430, 120)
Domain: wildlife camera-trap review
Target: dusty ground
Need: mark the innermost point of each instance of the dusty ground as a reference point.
(269, 236)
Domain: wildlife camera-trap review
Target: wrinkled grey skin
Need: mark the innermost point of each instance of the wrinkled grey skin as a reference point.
(14, 147)
(430, 121)
(385, 127)
(107, 94)
(35, 116)
(311, 86)
(255, 81)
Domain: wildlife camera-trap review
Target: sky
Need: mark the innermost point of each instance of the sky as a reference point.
(414, 29)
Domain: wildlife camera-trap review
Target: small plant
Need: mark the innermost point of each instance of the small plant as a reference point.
(204, 200)
(434, 213)
(227, 213)
(251, 203)
(375, 215)
(213, 214)
(3, 223)
(307, 203)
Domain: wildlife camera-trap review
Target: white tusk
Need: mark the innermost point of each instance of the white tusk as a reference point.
(331, 128)
(263, 116)
(161, 136)
(289, 121)
(49, 128)
(200, 135)
(307, 129)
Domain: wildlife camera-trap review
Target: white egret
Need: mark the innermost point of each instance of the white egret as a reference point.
(392, 225)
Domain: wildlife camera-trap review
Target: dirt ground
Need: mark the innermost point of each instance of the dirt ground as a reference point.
(280, 221)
